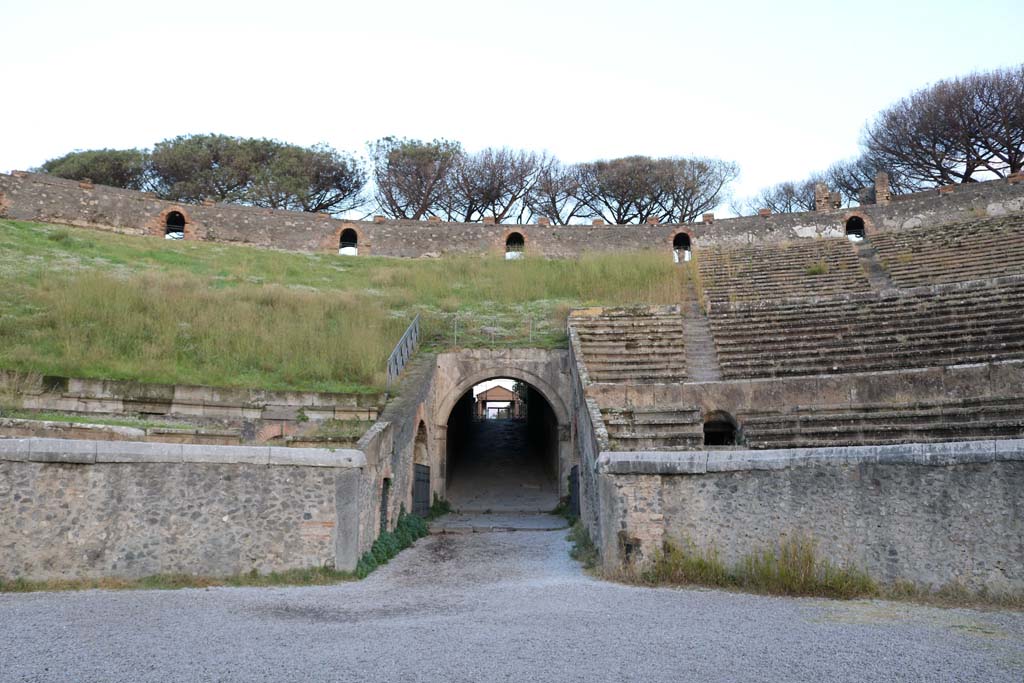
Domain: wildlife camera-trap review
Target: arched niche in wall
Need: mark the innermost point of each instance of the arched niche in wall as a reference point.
(721, 429)
(681, 247)
(515, 245)
(348, 242)
(174, 224)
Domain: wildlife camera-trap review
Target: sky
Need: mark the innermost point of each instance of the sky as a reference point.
(781, 88)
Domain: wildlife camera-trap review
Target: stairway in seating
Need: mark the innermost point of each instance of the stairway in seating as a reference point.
(701, 354)
(643, 344)
(877, 276)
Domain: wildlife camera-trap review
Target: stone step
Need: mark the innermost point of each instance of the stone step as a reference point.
(864, 366)
(844, 355)
(646, 443)
(642, 377)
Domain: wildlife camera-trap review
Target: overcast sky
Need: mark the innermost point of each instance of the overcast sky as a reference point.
(782, 88)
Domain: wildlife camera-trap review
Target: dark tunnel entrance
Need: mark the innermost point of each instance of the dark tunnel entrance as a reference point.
(502, 450)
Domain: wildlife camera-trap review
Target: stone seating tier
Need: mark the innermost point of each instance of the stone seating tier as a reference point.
(780, 270)
(877, 424)
(632, 345)
(979, 322)
(969, 250)
(664, 428)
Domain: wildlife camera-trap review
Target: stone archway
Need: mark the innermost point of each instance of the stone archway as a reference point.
(546, 372)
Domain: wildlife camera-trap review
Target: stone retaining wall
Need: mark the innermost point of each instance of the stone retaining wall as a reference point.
(38, 197)
(932, 514)
(80, 395)
(78, 509)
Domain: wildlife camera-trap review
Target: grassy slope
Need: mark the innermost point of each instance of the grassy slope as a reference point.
(93, 304)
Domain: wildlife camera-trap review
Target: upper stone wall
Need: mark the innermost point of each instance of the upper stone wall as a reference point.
(37, 197)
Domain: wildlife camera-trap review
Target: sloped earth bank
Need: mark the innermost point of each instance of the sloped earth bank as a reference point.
(496, 606)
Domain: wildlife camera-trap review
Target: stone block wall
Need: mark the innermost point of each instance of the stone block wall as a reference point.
(37, 197)
(77, 509)
(932, 514)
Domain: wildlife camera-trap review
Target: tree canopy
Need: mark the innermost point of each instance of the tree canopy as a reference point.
(251, 171)
(127, 168)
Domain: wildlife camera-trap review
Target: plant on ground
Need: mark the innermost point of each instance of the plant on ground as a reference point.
(438, 508)
(789, 568)
(313, 576)
(583, 549)
(817, 268)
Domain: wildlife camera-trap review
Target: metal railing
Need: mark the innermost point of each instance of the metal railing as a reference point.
(404, 349)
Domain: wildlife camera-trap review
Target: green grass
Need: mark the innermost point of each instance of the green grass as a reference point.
(92, 304)
(341, 429)
(817, 268)
(314, 576)
(46, 416)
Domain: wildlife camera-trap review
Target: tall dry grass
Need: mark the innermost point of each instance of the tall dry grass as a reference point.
(93, 304)
(158, 326)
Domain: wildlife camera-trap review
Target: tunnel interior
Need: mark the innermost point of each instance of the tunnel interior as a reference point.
(502, 455)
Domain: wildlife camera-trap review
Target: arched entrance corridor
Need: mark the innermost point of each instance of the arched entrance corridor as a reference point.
(502, 449)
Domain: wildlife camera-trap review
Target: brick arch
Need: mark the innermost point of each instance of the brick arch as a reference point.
(511, 231)
(335, 239)
(681, 231)
(869, 225)
(511, 371)
(159, 227)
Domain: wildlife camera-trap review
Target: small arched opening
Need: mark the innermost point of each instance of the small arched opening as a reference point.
(348, 243)
(515, 246)
(421, 473)
(855, 230)
(174, 226)
(720, 429)
(681, 248)
(502, 449)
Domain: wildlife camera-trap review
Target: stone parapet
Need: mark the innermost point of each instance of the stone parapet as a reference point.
(81, 452)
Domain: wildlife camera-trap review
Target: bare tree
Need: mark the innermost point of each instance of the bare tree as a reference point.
(620, 191)
(787, 197)
(638, 188)
(956, 131)
(692, 187)
(493, 182)
(855, 179)
(412, 176)
(554, 192)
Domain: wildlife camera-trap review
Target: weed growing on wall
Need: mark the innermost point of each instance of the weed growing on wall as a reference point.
(438, 508)
(408, 529)
(583, 549)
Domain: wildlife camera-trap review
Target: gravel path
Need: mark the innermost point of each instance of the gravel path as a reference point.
(505, 606)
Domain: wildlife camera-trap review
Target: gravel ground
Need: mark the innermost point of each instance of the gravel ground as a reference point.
(504, 606)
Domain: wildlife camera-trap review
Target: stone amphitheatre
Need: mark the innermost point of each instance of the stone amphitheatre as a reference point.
(855, 376)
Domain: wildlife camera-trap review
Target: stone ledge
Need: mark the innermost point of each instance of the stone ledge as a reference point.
(944, 454)
(81, 452)
(653, 462)
(317, 457)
